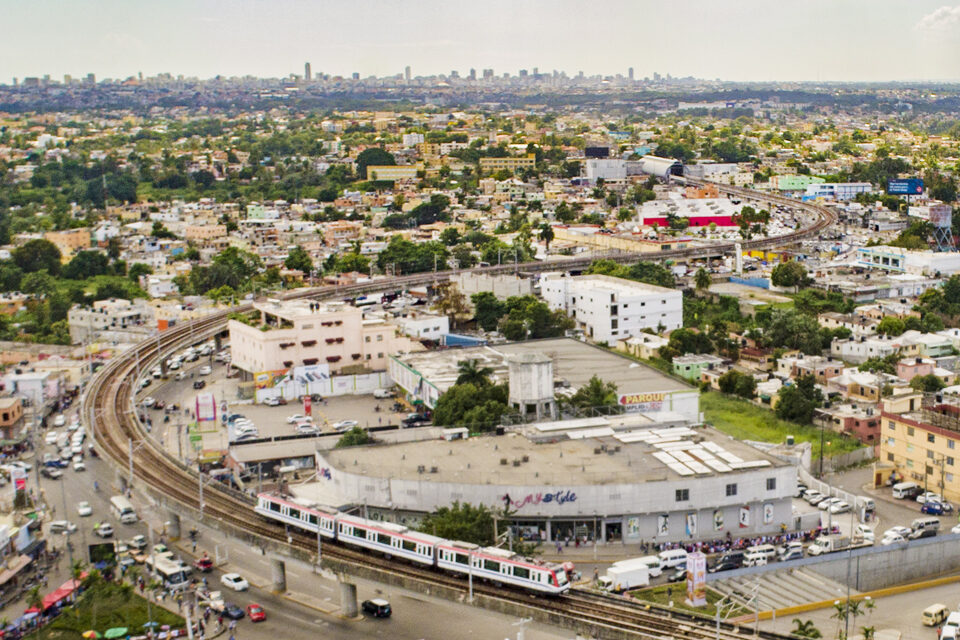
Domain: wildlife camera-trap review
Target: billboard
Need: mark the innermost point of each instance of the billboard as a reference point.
(206, 407)
(905, 187)
(642, 402)
(269, 379)
(696, 579)
(941, 216)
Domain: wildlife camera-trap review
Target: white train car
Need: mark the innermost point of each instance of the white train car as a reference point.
(389, 538)
(297, 515)
(500, 565)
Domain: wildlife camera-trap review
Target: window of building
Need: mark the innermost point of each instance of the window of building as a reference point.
(930, 438)
(909, 448)
(368, 356)
(951, 444)
(380, 355)
(949, 461)
(379, 337)
(732, 489)
(910, 463)
(892, 425)
(308, 326)
(910, 431)
(930, 454)
(890, 457)
(367, 339)
(683, 495)
(771, 484)
(949, 477)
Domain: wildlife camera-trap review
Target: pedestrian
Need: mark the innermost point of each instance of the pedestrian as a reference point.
(596, 575)
(194, 546)
(559, 547)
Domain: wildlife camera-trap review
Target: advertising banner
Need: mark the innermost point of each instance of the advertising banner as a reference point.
(663, 524)
(744, 517)
(905, 186)
(307, 405)
(696, 579)
(206, 407)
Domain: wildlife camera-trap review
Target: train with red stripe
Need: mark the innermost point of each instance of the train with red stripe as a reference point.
(490, 563)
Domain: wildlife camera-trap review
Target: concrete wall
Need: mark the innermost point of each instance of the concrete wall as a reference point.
(637, 506)
(874, 567)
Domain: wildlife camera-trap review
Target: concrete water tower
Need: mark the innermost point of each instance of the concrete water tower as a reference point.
(531, 385)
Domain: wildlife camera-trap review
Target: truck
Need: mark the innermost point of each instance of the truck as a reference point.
(828, 544)
(621, 577)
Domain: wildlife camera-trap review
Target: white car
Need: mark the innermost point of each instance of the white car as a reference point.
(52, 437)
(149, 401)
(929, 496)
(234, 581)
(955, 529)
(897, 531)
(840, 507)
(891, 539)
(307, 429)
(105, 530)
(297, 418)
(344, 425)
(205, 370)
(26, 466)
(826, 504)
(62, 526)
(84, 509)
(79, 466)
(59, 421)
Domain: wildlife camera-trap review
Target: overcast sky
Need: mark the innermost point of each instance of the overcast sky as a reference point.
(873, 40)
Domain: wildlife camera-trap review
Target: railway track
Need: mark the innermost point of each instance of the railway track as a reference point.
(116, 430)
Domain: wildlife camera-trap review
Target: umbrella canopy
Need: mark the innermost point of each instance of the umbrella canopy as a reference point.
(116, 632)
(151, 624)
(91, 635)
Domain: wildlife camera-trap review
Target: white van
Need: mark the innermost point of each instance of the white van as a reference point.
(925, 523)
(672, 558)
(654, 566)
(759, 555)
(903, 490)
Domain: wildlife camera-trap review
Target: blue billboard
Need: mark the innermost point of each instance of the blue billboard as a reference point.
(905, 187)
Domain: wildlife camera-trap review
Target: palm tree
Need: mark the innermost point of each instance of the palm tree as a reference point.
(868, 632)
(805, 629)
(547, 235)
(597, 395)
(35, 601)
(469, 372)
(701, 279)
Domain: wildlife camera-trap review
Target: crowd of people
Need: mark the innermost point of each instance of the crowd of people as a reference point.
(729, 543)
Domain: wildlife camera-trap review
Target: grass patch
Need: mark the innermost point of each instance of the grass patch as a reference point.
(103, 606)
(663, 594)
(746, 421)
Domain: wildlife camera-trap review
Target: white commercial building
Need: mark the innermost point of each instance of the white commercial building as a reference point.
(838, 190)
(116, 314)
(928, 263)
(609, 169)
(608, 309)
(426, 326)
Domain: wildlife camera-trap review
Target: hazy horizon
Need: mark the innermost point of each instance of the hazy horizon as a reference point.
(744, 41)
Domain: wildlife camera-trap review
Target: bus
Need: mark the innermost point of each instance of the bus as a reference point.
(171, 573)
(122, 510)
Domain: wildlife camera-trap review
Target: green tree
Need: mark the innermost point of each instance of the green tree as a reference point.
(373, 157)
(891, 326)
(794, 330)
(702, 279)
(466, 405)
(450, 236)
(299, 259)
(736, 383)
(928, 383)
(86, 264)
(547, 235)
(354, 438)
(37, 254)
(470, 372)
(138, 269)
(160, 231)
(789, 274)
(39, 283)
(805, 629)
(488, 310)
(461, 521)
(799, 400)
(597, 396)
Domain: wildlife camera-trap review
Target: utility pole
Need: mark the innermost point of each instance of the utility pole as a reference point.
(66, 531)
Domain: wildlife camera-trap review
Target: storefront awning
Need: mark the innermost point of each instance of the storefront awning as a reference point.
(13, 568)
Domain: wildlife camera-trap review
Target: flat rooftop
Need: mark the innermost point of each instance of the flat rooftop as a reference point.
(573, 361)
(620, 285)
(623, 458)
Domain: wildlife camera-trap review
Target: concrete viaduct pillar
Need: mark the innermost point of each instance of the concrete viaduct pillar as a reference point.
(172, 525)
(218, 341)
(348, 598)
(279, 571)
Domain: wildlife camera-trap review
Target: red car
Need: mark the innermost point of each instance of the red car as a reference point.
(256, 613)
(204, 564)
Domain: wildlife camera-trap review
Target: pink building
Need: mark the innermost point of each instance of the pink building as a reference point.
(910, 368)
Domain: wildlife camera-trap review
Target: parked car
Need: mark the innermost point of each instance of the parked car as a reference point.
(298, 417)
(725, 565)
(104, 530)
(51, 437)
(307, 429)
(922, 533)
(62, 526)
(929, 496)
(679, 575)
(149, 401)
(824, 505)
(344, 425)
(415, 419)
(840, 507)
(893, 538)
(51, 472)
(897, 530)
(203, 564)
(234, 581)
(137, 542)
(59, 421)
(378, 608)
(932, 508)
(199, 384)
(383, 393)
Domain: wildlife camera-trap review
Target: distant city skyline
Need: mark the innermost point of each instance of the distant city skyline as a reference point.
(745, 40)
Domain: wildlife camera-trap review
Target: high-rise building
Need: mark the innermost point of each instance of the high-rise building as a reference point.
(406, 73)
(355, 75)
(91, 78)
(307, 76)
(67, 79)
(523, 73)
(473, 74)
(536, 71)
(630, 73)
(454, 74)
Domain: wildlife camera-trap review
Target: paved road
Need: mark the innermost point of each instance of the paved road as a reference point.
(311, 605)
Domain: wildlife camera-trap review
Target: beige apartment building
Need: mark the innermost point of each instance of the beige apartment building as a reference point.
(511, 163)
(303, 333)
(203, 232)
(69, 242)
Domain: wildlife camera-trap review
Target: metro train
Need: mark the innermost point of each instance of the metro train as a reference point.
(491, 563)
